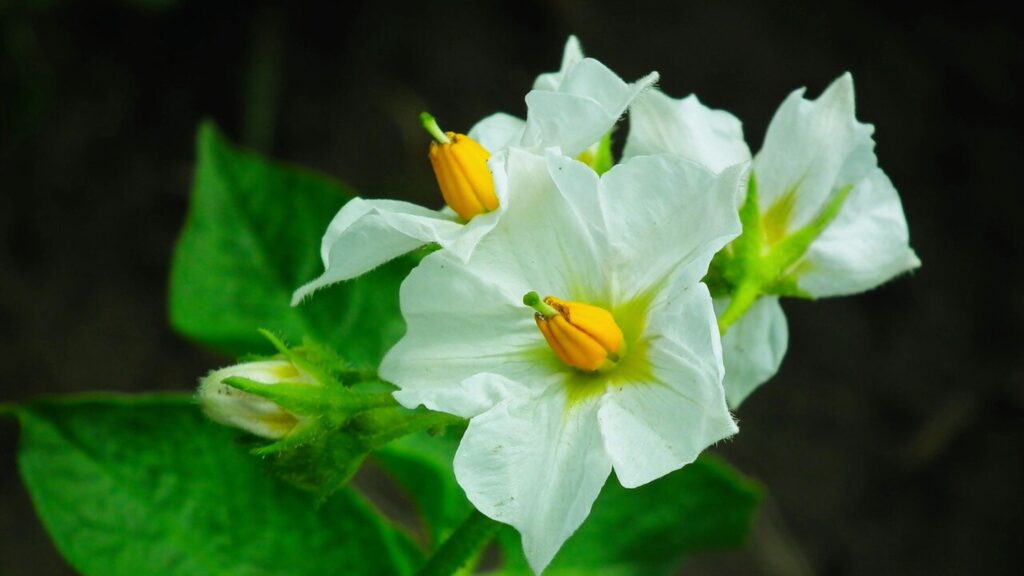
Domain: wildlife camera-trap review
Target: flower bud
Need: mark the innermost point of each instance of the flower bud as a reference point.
(460, 165)
(232, 407)
(583, 336)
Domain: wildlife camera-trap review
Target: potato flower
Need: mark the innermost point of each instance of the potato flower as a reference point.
(577, 338)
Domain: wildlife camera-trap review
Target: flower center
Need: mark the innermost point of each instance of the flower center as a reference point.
(583, 336)
(460, 165)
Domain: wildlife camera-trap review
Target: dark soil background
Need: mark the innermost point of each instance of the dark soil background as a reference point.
(891, 441)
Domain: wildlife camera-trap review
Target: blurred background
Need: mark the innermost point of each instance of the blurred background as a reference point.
(892, 440)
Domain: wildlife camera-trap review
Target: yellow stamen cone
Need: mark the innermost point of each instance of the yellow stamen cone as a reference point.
(583, 336)
(460, 165)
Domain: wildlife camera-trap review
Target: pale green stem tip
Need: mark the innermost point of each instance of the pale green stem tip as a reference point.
(533, 300)
(430, 125)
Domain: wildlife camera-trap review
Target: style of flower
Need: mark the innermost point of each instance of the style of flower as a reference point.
(820, 217)
(577, 337)
(570, 110)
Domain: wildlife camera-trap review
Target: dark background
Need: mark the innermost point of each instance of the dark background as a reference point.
(891, 440)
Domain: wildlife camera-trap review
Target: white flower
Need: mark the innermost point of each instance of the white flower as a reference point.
(232, 407)
(632, 378)
(570, 110)
(818, 188)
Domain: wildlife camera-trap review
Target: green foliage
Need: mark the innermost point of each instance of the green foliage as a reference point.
(252, 236)
(649, 530)
(146, 485)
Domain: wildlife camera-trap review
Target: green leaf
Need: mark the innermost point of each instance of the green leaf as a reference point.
(146, 485)
(648, 530)
(251, 237)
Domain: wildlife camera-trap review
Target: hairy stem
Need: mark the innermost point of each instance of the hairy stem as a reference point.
(462, 546)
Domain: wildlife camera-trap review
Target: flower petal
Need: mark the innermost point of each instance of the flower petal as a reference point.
(367, 233)
(463, 321)
(586, 104)
(537, 464)
(666, 217)
(572, 54)
(659, 124)
(498, 131)
(548, 235)
(812, 149)
(661, 422)
(753, 347)
(866, 245)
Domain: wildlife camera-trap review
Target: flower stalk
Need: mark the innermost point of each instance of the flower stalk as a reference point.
(468, 540)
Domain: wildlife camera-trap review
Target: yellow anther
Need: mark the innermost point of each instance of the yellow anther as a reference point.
(460, 164)
(581, 335)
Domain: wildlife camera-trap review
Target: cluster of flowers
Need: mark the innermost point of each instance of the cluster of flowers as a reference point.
(588, 316)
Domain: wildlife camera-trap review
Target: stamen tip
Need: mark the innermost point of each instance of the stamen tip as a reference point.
(430, 125)
(531, 299)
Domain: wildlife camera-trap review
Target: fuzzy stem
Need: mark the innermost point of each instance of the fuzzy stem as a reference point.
(462, 546)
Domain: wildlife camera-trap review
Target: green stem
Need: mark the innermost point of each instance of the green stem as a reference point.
(745, 296)
(462, 546)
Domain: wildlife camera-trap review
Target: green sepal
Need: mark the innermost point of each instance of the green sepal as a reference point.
(599, 156)
(310, 399)
(317, 460)
(761, 263)
(321, 455)
(789, 250)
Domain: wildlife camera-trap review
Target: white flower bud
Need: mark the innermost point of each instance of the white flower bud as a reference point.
(232, 407)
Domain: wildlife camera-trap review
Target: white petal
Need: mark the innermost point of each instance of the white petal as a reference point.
(813, 148)
(866, 245)
(662, 125)
(367, 233)
(498, 131)
(463, 321)
(586, 105)
(548, 235)
(652, 427)
(667, 216)
(753, 347)
(572, 54)
(537, 464)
